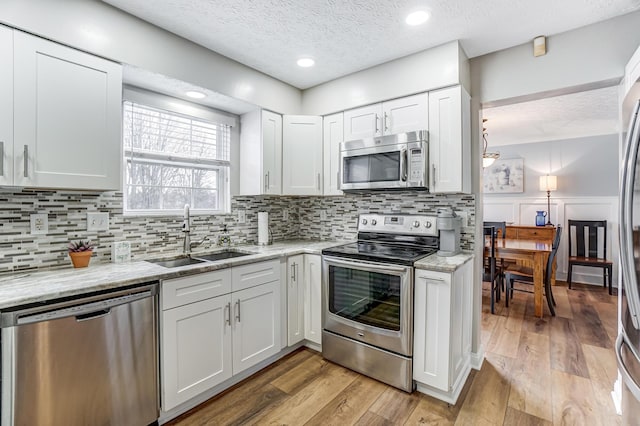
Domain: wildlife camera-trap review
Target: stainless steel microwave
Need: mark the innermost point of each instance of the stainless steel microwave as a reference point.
(387, 162)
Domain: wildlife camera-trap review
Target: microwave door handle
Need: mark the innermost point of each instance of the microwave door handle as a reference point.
(403, 165)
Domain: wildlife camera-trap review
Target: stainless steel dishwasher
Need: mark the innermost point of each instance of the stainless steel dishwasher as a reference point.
(86, 361)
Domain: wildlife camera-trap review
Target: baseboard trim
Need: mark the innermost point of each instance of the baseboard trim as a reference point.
(477, 358)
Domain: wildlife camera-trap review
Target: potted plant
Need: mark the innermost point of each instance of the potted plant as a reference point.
(80, 253)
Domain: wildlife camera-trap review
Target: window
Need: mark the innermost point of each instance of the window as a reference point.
(172, 159)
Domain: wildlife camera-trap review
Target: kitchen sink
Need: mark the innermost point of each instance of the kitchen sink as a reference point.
(221, 255)
(176, 262)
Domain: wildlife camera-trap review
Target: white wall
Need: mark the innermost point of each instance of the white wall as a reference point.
(590, 54)
(584, 166)
(98, 28)
(441, 66)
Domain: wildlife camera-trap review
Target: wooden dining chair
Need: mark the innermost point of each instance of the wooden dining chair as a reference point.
(524, 274)
(489, 273)
(501, 228)
(586, 249)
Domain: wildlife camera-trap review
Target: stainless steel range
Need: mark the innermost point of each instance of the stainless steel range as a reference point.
(367, 296)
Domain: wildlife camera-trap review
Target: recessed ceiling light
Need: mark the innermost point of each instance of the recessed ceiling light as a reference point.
(417, 17)
(306, 62)
(195, 95)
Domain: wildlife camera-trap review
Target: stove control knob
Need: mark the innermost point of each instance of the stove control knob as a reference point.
(364, 221)
(373, 222)
(427, 225)
(416, 224)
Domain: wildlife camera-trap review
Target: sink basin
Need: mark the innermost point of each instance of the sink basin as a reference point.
(176, 262)
(221, 255)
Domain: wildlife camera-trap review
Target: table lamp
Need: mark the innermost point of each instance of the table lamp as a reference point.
(548, 183)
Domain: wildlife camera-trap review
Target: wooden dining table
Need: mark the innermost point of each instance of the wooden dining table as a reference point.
(527, 253)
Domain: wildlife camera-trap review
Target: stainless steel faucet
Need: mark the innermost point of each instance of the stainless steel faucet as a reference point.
(186, 228)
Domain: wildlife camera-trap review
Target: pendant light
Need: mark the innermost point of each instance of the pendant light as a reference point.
(487, 157)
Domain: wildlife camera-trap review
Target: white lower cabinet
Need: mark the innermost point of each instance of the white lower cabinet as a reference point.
(442, 331)
(295, 299)
(256, 325)
(304, 304)
(313, 298)
(209, 333)
(196, 349)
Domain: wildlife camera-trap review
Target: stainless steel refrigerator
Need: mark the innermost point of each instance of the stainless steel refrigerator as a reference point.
(628, 342)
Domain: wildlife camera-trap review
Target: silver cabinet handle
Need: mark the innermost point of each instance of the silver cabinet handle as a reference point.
(386, 123)
(266, 180)
(433, 279)
(26, 161)
(227, 308)
(318, 181)
(377, 128)
(297, 280)
(238, 314)
(1, 158)
(293, 272)
(434, 173)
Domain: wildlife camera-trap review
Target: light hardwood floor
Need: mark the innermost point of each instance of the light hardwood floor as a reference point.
(550, 371)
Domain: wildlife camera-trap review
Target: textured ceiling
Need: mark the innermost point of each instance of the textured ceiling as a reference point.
(582, 114)
(351, 35)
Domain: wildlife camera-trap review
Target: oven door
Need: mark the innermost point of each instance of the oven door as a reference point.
(369, 302)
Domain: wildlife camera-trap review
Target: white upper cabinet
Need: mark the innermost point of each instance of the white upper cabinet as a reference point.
(405, 114)
(302, 155)
(6, 106)
(364, 122)
(67, 114)
(333, 131)
(261, 153)
(450, 140)
(387, 118)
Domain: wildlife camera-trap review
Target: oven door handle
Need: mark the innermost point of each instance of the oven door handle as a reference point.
(373, 266)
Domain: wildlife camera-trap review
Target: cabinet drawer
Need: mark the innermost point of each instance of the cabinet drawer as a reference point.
(181, 291)
(535, 234)
(254, 274)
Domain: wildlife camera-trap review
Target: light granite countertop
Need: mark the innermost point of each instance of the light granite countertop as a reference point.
(38, 286)
(444, 264)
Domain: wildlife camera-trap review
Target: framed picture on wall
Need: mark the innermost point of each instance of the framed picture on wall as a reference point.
(504, 176)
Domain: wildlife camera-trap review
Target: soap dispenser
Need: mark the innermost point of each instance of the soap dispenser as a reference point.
(224, 240)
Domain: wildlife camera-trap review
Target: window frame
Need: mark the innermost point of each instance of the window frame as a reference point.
(189, 110)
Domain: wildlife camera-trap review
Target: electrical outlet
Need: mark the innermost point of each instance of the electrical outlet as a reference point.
(97, 221)
(39, 223)
(465, 218)
(285, 215)
(323, 215)
(242, 218)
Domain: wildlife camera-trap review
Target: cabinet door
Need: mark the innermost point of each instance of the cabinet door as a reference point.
(256, 333)
(405, 114)
(302, 155)
(271, 153)
(295, 299)
(333, 130)
(6, 106)
(432, 311)
(68, 113)
(449, 141)
(313, 298)
(196, 349)
(365, 122)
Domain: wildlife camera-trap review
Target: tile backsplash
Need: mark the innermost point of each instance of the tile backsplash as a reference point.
(326, 218)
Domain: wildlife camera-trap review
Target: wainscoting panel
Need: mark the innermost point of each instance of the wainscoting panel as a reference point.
(522, 211)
